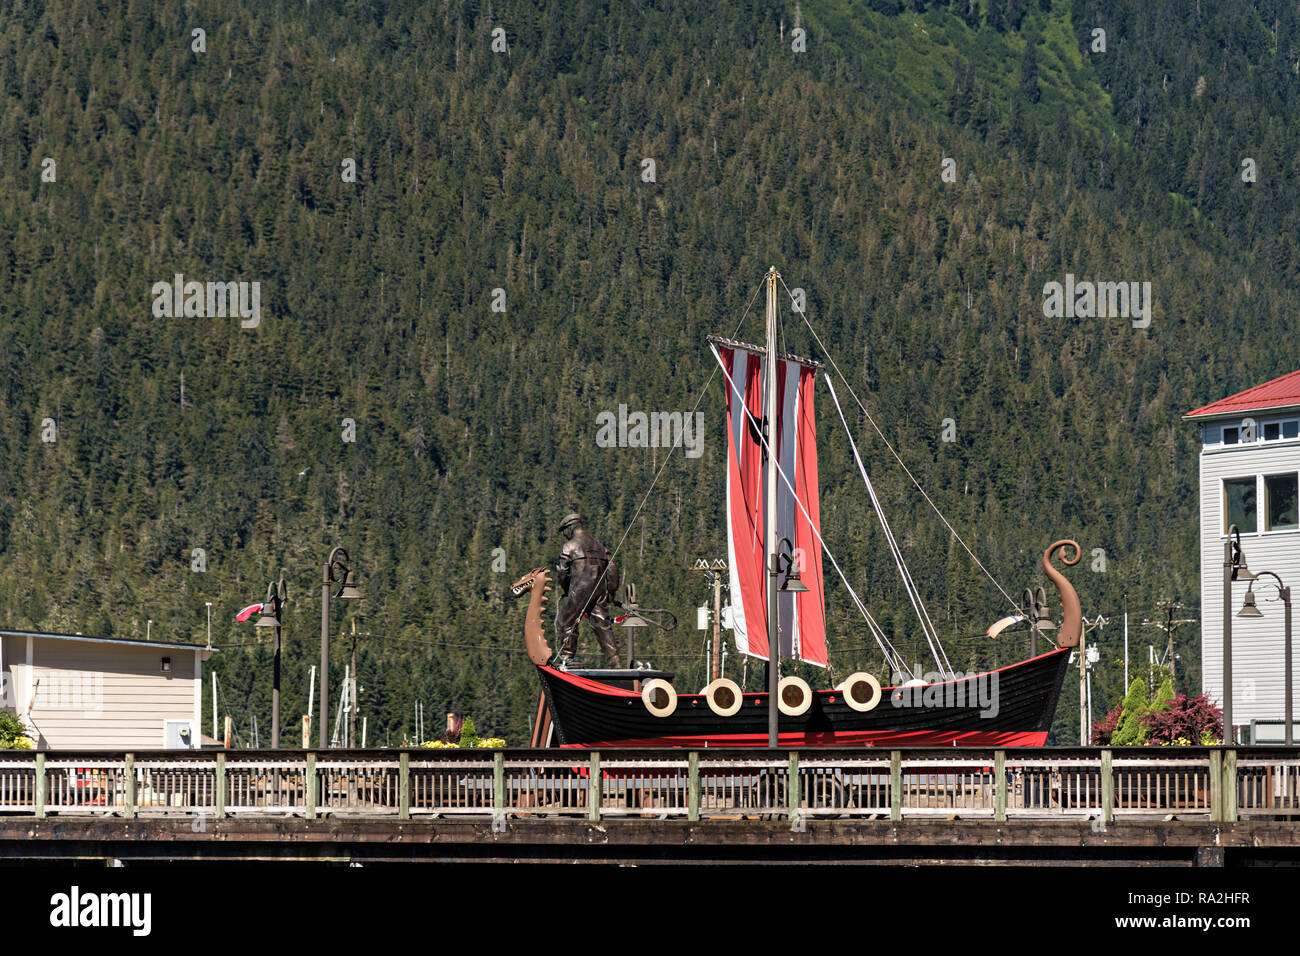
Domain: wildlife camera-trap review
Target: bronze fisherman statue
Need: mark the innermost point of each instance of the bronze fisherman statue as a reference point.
(588, 576)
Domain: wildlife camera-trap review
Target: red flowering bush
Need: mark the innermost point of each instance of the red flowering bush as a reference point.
(1187, 721)
(1104, 729)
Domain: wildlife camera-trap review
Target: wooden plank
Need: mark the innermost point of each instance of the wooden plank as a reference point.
(1216, 785)
(404, 787)
(220, 785)
(1000, 785)
(128, 769)
(793, 787)
(895, 785)
(40, 784)
(1107, 788)
(313, 784)
(1230, 786)
(498, 783)
(693, 785)
(593, 787)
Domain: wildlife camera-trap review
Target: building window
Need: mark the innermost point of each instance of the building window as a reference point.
(1282, 494)
(1272, 431)
(1239, 504)
(1230, 433)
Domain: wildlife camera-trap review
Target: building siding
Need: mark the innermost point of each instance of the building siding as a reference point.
(88, 695)
(1257, 645)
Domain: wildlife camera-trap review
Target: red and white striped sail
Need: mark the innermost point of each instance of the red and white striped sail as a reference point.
(801, 617)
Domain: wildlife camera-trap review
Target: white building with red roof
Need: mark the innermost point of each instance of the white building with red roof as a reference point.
(1250, 477)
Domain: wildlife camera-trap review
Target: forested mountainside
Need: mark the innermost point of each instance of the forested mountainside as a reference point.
(464, 257)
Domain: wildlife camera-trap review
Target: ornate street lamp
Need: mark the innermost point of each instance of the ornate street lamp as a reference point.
(336, 568)
(277, 593)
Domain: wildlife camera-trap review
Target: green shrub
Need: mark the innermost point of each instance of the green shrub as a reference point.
(13, 735)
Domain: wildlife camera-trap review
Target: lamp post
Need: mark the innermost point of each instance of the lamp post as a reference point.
(336, 563)
(1249, 610)
(1234, 568)
(277, 592)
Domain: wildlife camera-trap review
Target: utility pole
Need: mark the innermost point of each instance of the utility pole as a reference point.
(1089, 655)
(1083, 687)
(1168, 625)
(713, 571)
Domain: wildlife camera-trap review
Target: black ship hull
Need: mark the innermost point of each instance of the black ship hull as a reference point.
(1009, 707)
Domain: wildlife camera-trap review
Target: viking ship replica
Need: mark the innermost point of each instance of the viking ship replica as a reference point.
(778, 602)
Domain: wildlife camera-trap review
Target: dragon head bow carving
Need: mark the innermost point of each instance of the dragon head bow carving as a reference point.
(538, 581)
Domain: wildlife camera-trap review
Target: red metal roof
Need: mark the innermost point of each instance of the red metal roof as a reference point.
(1280, 393)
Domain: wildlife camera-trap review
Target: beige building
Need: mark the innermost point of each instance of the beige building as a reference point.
(98, 693)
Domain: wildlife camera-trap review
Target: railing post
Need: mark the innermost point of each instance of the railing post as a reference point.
(792, 786)
(404, 786)
(1107, 788)
(220, 796)
(312, 783)
(40, 784)
(1230, 786)
(1000, 786)
(128, 768)
(1216, 786)
(593, 787)
(498, 783)
(895, 785)
(693, 786)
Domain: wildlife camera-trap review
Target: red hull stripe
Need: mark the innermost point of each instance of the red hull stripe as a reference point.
(876, 738)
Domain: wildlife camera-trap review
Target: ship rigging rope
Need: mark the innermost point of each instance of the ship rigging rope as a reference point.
(913, 593)
(892, 657)
(830, 359)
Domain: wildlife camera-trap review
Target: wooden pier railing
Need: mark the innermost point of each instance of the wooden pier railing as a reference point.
(1217, 784)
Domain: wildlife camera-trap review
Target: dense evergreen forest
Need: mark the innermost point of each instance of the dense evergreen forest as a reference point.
(464, 258)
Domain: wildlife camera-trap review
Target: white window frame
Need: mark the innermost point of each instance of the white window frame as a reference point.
(1261, 504)
(1223, 505)
(1261, 495)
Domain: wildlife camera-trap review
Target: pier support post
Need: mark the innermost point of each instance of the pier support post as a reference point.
(128, 771)
(792, 786)
(220, 798)
(1216, 786)
(1107, 788)
(1210, 856)
(1230, 786)
(404, 786)
(312, 783)
(693, 786)
(895, 785)
(498, 784)
(40, 784)
(1000, 786)
(593, 788)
